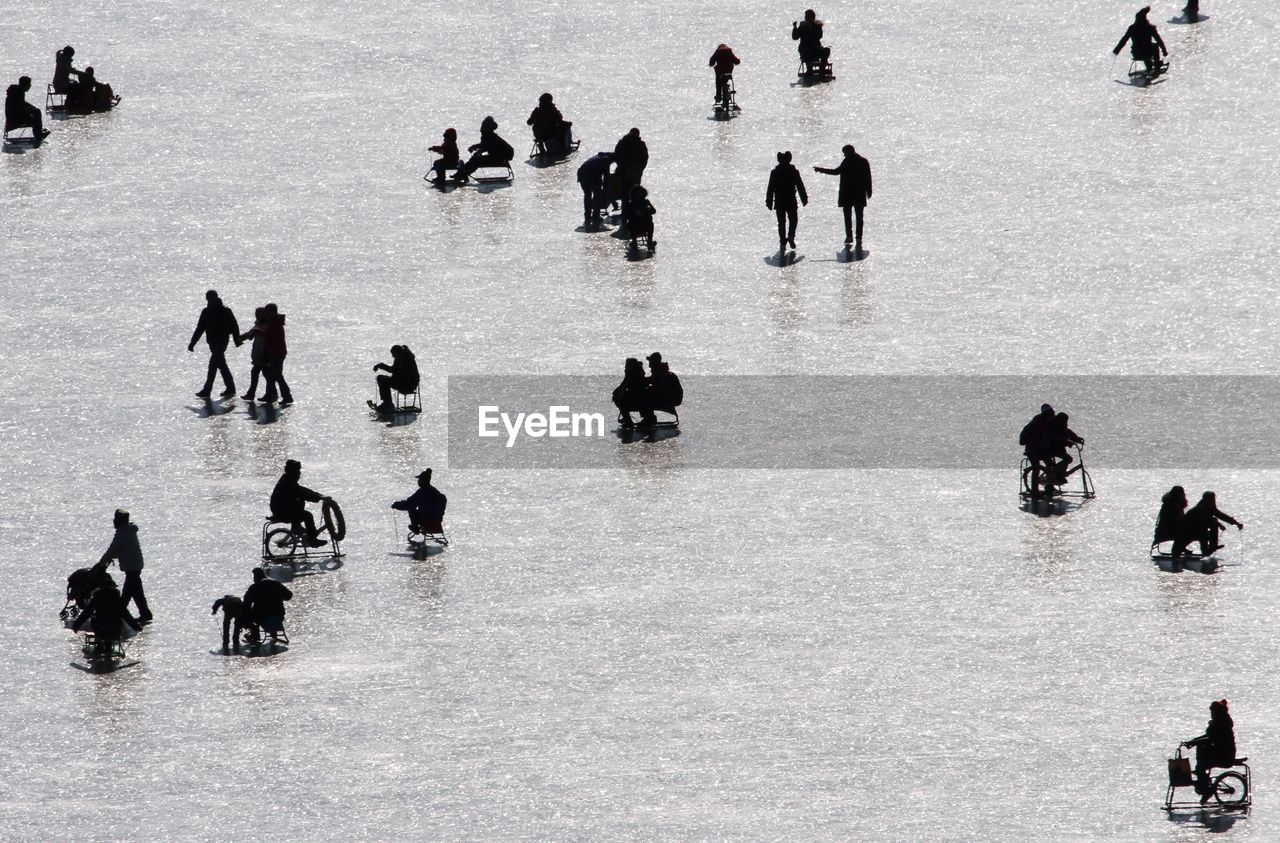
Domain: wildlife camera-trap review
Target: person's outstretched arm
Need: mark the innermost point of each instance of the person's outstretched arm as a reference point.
(826, 171)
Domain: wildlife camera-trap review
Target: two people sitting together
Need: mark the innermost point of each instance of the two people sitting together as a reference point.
(1045, 441)
(1200, 524)
(661, 390)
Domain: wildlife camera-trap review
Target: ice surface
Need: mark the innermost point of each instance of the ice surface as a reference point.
(640, 652)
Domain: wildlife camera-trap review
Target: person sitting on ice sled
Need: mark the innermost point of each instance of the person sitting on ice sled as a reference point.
(402, 376)
(1202, 523)
(491, 151)
(425, 507)
(105, 615)
(1145, 42)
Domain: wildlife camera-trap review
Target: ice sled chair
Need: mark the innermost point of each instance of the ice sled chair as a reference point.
(282, 543)
(425, 536)
(53, 101)
(814, 69)
(1054, 480)
(1231, 790)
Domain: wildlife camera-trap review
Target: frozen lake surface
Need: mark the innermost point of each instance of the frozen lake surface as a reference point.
(647, 650)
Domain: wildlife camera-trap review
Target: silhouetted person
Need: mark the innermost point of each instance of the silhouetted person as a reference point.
(264, 605)
(723, 60)
(104, 615)
(127, 551)
(218, 326)
(809, 34)
(1063, 439)
(637, 215)
(1192, 11)
(234, 617)
(551, 131)
(447, 149)
(593, 177)
(631, 154)
(631, 395)
(90, 94)
(402, 376)
(257, 351)
(855, 190)
(1215, 748)
(491, 151)
(84, 581)
(63, 71)
(425, 506)
(1144, 41)
(20, 114)
(1169, 522)
(785, 185)
(276, 349)
(1037, 441)
(1202, 523)
(664, 389)
(289, 503)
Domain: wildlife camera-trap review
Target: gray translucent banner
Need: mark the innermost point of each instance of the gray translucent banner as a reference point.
(873, 421)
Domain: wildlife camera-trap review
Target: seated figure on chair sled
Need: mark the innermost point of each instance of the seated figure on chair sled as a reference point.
(426, 512)
(815, 57)
(289, 503)
(661, 390)
(552, 134)
(1145, 43)
(491, 151)
(402, 376)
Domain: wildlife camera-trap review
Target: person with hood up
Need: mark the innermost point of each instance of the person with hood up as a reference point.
(855, 190)
(402, 376)
(809, 34)
(1203, 523)
(218, 325)
(637, 216)
(425, 506)
(105, 615)
(289, 503)
(1168, 523)
(723, 60)
(491, 151)
(264, 606)
(664, 389)
(1036, 440)
(1215, 748)
(551, 132)
(631, 154)
(785, 185)
(593, 177)
(126, 550)
(1145, 42)
(447, 149)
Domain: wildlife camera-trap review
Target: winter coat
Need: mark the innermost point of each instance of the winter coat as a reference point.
(546, 121)
(723, 60)
(218, 325)
(126, 549)
(632, 155)
(274, 333)
(594, 171)
(289, 498)
(1145, 39)
(265, 599)
(495, 147)
(855, 181)
(426, 504)
(784, 184)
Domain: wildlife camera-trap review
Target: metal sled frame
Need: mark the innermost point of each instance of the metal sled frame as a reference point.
(17, 136)
(419, 543)
(674, 421)
(444, 179)
(1138, 68)
(727, 108)
(90, 648)
(816, 72)
(281, 544)
(539, 149)
(54, 101)
(497, 179)
(1159, 553)
(406, 402)
(1232, 790)
(1049, 491)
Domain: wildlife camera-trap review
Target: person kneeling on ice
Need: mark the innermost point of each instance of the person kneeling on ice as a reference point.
(447, 149)
(425, 507)
(105, 615)
(637, 216)
(264, 606)
(491, 151)
(1145, 44)
(289, 503)
(1215, 748)
(1203, 523)
(233, 614)
(1172, 507)
(402, 376)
